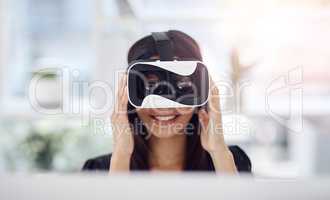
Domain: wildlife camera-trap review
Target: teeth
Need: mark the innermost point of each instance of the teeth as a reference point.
(165, 118)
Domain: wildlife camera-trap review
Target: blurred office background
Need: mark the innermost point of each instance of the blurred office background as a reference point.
(271, 60)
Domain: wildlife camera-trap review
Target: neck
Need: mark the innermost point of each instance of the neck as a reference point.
(167, 153)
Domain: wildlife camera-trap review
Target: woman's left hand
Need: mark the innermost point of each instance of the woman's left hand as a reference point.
(212, 138)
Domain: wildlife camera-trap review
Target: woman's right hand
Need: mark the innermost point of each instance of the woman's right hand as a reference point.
(123, 141)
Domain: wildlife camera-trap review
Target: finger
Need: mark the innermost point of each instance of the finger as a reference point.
(124, 100)
(214, 101)
(215, 98)
(120, 92)
(122, 84)
(204, 119)
(119, 86)
(212, 85)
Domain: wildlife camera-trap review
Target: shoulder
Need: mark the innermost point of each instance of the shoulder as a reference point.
(100, 163)
(242, 160)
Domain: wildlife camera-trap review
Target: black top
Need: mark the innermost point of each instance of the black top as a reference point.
(242, 161)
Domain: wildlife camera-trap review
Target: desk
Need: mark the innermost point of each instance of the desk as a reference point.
(158, 186)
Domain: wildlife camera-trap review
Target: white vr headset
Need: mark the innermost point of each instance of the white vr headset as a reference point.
(167, 83)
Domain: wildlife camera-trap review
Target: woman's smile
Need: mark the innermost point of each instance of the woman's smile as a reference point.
(165, 122)
(165, 119)
(164, 116)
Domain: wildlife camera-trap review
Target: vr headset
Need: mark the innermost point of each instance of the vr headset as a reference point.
(167, 83)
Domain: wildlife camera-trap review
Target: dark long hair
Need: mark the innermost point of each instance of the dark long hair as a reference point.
(196, 158)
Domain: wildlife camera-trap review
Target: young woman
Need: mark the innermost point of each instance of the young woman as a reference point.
(183, 139)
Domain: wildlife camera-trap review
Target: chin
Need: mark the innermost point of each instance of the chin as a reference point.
(166, 132)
